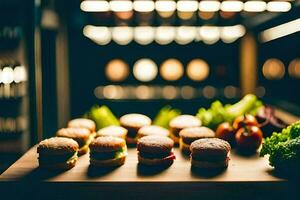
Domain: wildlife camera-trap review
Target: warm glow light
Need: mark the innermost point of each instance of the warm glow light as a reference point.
(144, 92)
(144, 34)
(209, 92)
(281, 30)
(279, 6)
(187, 92)
(145, 70)
(171, 70)
(209, 6)
(197, 70)
(121, 5)
(230, 34)
(143, 6)
(255, 6)
(7, 75)
(232, 6)
(273, 69)
(117, 70)
(185, 34)
(187, 5)
(164, 34)
(165, 6)
(122, 35)
(206, 15)
(294, 68)
(230, 92)
(101, 35)
(20, 74)
(113, 92)
(209, 34)
(169, 92)
(94, 6)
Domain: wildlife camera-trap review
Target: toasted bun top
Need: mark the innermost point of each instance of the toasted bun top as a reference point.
(74, 133)
(155, 144)
(210, 146)
(57, 145)
(185, 121)
(107, 144)
(197, 132)
(82, 123)
(135, 120)
(116, 131)
(153, 130)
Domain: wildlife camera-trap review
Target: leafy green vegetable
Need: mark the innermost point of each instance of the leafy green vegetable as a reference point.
(219, 113)
(284, 148)
(102, 116)
(165, 115)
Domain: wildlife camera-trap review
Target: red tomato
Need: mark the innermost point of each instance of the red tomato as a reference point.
(226, 132)
(244, 120)
(249, 138)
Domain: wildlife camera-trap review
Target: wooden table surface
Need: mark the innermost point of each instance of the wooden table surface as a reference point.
(247, 177)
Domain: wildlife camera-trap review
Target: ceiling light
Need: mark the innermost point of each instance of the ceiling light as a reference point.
(144, 34)
(20, 74)
(122, 35)
(171, 70)
(279, 6)
(99, 34)
(94, 6)
(164, 34)
(197, 70)
(232, 6)
(165, 6)
(187, 5)
(209, 6)
(143, 6)
(185, 34)
(121, 6)
(209, 34)
(294, 68)
(281, 30)
(117, 70)
(145, 70)
(230, 34)
(273, 69)
(255, 6)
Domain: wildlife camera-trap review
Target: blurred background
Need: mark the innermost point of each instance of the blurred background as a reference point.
(59, 57)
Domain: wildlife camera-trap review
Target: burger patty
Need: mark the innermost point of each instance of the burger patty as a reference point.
(51, 159)
(154, 156)
(105, 155)
(209, 158)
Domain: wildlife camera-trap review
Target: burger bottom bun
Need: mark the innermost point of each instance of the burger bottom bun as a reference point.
(59, 166)
(210, 165)
(154, 162)
(185, 148)
(108, 163)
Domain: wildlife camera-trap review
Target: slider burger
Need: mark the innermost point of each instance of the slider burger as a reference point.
(152, 130)
(114, 131)
(189, 135)
(107, 152)
(133, 122)
(81, 135)
(210, 153)
(181, 122)
(155, 150)
(83, 123)
(57, 153)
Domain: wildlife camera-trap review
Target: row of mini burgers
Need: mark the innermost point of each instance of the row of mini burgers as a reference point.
(108, 146)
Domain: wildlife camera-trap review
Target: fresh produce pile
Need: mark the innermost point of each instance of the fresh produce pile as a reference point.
(284, 148)
(219, 113)
(165, 115)
(102, 116)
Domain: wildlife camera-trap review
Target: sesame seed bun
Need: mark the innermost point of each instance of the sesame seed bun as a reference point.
(189, 135)
(185, 121)
(152, 130)
(57, 145)
(155, 144)
(210, 147)
(82, 123)
(134, 120)
(107, 144)
(74, 133)
(115, 131)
